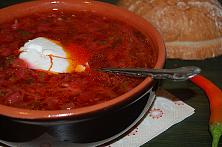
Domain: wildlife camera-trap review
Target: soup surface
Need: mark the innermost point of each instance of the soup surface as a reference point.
(108, 43)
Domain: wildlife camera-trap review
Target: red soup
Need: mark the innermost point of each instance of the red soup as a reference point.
(107, 42)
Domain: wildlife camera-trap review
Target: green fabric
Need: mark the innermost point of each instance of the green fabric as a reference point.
(193, 131)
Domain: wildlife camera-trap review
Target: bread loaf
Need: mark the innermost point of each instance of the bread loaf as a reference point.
(192, 29)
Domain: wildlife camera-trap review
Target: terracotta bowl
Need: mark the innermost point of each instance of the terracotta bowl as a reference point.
(138, 99)
(146, 28)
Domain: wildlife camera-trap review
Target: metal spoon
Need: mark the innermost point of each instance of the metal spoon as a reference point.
(176, 74)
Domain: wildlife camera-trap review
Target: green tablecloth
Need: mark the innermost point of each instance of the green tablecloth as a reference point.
(193, 131)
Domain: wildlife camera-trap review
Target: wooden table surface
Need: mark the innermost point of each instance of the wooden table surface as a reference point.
(193, 131)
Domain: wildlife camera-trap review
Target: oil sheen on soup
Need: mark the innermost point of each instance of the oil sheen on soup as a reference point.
(33, 75)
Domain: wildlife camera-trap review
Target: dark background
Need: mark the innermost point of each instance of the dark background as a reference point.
(193, 131)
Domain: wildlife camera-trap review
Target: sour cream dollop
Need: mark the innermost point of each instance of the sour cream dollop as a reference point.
(45, 54)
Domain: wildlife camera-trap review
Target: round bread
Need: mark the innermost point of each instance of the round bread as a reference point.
(192, 29)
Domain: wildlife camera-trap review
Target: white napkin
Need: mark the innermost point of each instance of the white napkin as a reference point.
(163, 114)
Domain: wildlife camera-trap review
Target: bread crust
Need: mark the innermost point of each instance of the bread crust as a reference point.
(197, 50)
(192, 29)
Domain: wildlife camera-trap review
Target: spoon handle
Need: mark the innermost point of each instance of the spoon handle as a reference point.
(176, 74)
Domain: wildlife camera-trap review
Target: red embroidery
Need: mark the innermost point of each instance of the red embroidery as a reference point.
(156, 113)
(179, 103)
(134, 132)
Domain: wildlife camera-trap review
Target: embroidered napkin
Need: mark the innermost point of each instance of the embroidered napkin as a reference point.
(165, 113)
